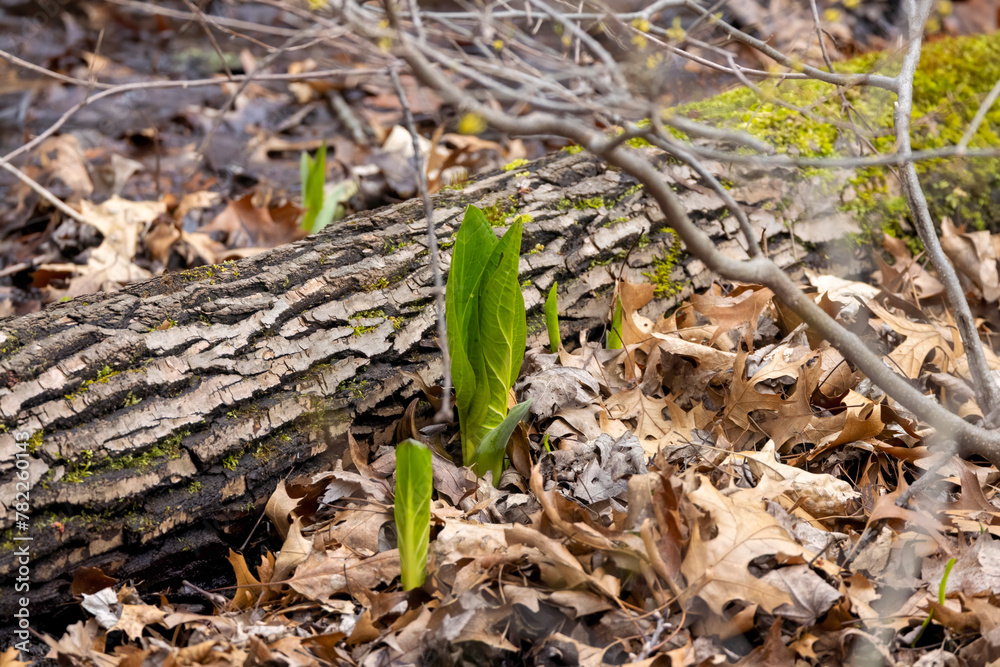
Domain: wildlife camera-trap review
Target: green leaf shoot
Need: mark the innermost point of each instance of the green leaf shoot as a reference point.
(552, 318)
(323, 204)
(474, 243)
(312, 171)
(503, 327)
(487, 329)
(494, 445)
(412, 509)
(942, 589)
(615, 334)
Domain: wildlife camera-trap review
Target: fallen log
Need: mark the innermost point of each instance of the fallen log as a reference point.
(158, 419)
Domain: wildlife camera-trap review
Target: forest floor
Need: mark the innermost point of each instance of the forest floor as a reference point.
(723, 489)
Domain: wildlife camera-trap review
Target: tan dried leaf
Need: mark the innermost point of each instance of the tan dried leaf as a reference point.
(135, 617)
(327, 573)
(716, 567)
(821, 495)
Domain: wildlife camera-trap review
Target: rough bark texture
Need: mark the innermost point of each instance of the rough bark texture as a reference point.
(160, 417)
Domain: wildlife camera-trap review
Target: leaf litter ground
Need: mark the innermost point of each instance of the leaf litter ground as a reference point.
(724, 489)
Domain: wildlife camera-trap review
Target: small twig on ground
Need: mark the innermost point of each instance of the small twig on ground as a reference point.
(264, 64)
(947, 450)
(163, 85)
(59, 205)
(651, 642)
(347, 116)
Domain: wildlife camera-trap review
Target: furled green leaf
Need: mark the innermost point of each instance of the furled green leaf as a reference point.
(313, 173)
(333, 203)
(412, 508)
(305, 164)
(615, 334)
(474, 243)
(552, 318)
(494, 443)
(502, 325)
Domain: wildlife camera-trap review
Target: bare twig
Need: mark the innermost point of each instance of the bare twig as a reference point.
(984, 382)
(150, 85)
(264, 64)
(42, 192)
(874, 80)
(971, 439)
(981, 112)
(444, 414)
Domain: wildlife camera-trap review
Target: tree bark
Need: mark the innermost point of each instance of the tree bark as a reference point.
(159, 418)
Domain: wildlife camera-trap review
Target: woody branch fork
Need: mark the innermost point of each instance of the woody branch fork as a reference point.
(595, 89)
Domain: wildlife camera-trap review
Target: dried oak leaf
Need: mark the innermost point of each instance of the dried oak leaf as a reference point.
(922, 341)
(821, 495)
(327, 573)
(743, 397)
(974, 255)
(739, 310)
(645, 410)
(247, 226)
(716, 568)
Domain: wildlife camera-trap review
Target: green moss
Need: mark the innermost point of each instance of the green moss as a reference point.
(355, 387)
(536, 323)
(10, 345)
(497, 216)
(102, 377)
(35, 441)
(581, 204)
(388, 247)
(663, 268)
(381, 283)
(81, 469)
(267, 449)
(607, 260)
(573, 149)
(953, 78)
(367, 315)
(199, 273)
(514, 164)
(592, 203)
(231, 462)
(194, 487)
(167, 450)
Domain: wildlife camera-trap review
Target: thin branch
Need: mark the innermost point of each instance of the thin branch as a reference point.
(874, 80)
(220, 21)
(161, 85)
(42, 192)
(666, 142)
(981, 112)
(264, 64)
(971, 439)
(983, 380)
(444, 414)
(527, 14)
